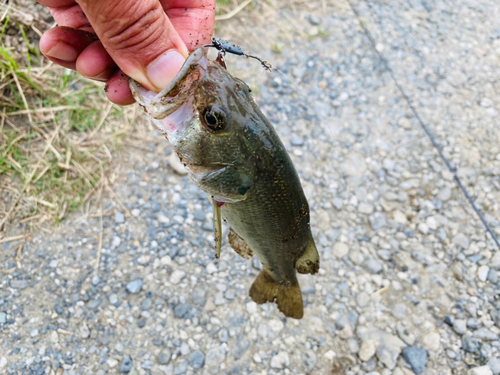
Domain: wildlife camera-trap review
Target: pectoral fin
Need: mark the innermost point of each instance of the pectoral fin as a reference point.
(217, 227)
(239, 245)
(309, 260)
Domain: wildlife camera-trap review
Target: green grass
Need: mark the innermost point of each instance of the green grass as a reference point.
(58, 131)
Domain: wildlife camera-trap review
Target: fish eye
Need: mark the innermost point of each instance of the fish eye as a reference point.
(214, 117)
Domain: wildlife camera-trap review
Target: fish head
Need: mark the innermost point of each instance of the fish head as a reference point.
(203, 112)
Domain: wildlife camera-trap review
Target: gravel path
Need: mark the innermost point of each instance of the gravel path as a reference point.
(409, 277)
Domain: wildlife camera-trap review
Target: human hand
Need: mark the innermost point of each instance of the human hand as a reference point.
(111, 40)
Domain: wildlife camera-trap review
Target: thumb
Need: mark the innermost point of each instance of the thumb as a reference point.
(139, 37)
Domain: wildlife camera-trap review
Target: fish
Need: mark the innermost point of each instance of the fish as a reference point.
(232, 152)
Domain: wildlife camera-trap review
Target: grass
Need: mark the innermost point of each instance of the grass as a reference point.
(58, 133)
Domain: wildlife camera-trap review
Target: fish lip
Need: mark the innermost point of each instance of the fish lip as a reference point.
(175, 94)
(202, 170)
(191, 62)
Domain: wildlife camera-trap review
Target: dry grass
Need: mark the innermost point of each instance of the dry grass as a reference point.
(58, 132)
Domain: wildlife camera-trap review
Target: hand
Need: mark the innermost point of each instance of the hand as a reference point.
(111, 40)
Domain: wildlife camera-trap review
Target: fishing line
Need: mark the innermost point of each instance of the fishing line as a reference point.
(431, 137)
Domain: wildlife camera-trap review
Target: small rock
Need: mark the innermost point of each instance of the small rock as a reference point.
(196, 359)
(431, 341)
(313, 20)
(485, 334)
(309, 359)
(494, 365)
(280, 360)
(340, 250)
(211, 268)
(112, 362)
(215, 357)
(3, 362)
(404, 335)
(177, 276)
(388, 346)
(377, 221)
(367, 350)
(482, 273)
(460, 326)
(471, 344)
(416, 358)
(373, 266)
(3, 318)
(346, 332)
(19, 284)
(337, 203)
(126, 364)
(119, 217)
(241, 345)
(181, 368)
(461, 240)
(135, 212)
(365, 208)
(164, 357)
(84, 331)
(297, 141)
(493, 276)
(483, 370)
(135, 286)
(363, 299)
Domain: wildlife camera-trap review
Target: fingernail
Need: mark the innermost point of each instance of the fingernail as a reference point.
(163, 70)
(63, 51)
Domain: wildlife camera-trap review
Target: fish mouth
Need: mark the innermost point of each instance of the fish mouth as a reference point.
(202, 170)
(161, 105)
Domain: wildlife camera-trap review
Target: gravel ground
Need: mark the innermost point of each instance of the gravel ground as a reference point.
(409, 278)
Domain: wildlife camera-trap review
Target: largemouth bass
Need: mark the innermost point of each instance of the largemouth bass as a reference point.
(232, 153)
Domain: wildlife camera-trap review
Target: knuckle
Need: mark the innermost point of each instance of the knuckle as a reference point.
(134, 28)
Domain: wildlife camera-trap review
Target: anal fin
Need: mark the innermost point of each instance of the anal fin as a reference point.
(309, 260)
(288, 297)
(239, 245)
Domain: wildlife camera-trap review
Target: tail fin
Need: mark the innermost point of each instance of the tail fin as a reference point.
(289, 298)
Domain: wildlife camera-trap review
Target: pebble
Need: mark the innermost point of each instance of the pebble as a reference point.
(340, 249)
(135, 212)
(280, 360)
(240, 346)
(177, 276)
(494, 365)
(367, 350)
(461, 240)
(373, 266)
(196, 359)
(19, 284)
(493, 276)
(388, 346)
(3, 318)
(135, 286)
(84, 331)
(483, 370)
(215, 356)
(112, 362)
(181, 368)
(119, 217)
(126, 364)
(416, 358)
(482, 273)
(485, 334)
(471, 344)
(211, 268)
(431, 341)
(309, 359)
(164, 357)
(460, 326)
